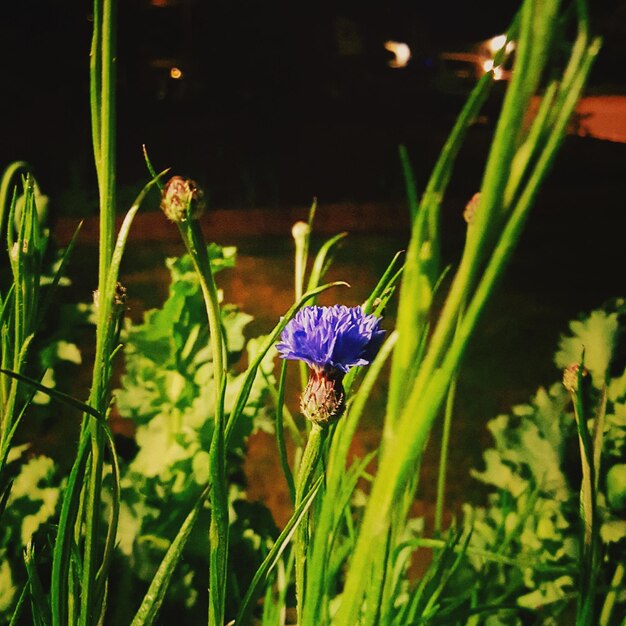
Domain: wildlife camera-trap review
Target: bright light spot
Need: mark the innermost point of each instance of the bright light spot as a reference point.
(498, 72)
(176, 73)
(496, 43)
(401, 51)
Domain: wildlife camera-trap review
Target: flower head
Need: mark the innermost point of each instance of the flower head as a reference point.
(182, 199)
(330, 340)
(334, 338)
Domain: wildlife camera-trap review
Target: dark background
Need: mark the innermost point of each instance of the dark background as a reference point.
(279, 101)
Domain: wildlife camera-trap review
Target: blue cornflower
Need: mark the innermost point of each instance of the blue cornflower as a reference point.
(330, 340)
(336, 337)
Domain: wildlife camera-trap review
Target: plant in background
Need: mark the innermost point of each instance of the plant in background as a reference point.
(531, 520)
(167, 392)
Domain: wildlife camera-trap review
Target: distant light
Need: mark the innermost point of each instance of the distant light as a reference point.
(159, 3)
(498, 72)
(176, 73)
(498, 42)
(401, 51)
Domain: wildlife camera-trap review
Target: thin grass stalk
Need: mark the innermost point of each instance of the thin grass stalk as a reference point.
(17, 611)
(410, 185)
(280, 439)
(443, 459)
(102, 89)
(218, 529)
(483, 231)
(609, 602)
(301, 233)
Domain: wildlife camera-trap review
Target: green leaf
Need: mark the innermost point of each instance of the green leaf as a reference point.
(596, 335)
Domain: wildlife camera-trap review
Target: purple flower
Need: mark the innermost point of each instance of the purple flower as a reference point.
(330, 340)
(335, 338)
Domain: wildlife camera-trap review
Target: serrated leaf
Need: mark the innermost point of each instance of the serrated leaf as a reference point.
(595, 335)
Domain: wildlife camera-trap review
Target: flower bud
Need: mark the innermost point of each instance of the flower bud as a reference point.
(323, 400)
(182, 199)
(570, 377)
(300, 230)
(470, 209)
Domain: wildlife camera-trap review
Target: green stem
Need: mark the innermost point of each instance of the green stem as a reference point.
(308, 465)
(218, 530)
(443, 459)
(102, 85)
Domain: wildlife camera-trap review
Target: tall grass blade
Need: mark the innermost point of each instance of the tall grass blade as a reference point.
(38, 602)
(149, 608)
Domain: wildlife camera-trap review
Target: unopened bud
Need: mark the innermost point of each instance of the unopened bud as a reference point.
(470, 209)
(323, 399)
(570, 377)
(182, 199)
(300, 230)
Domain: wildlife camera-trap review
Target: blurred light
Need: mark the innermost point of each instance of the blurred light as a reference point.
(496, 43)
(159, 3)
(401, 51)
(498, 72)
(176, 73)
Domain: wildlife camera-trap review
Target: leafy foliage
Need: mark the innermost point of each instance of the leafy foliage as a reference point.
(534, 469)
(167, 392)
(31, 506)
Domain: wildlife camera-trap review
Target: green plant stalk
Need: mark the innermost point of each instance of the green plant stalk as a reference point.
(587, 509)
(409, 182)
(306, 472)
(218, 530)
(483, 231)
(301, 233)
(102, 98)
(443, 459)
(280, 439)
(405, 445)
(106, 338)
(332, 504)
